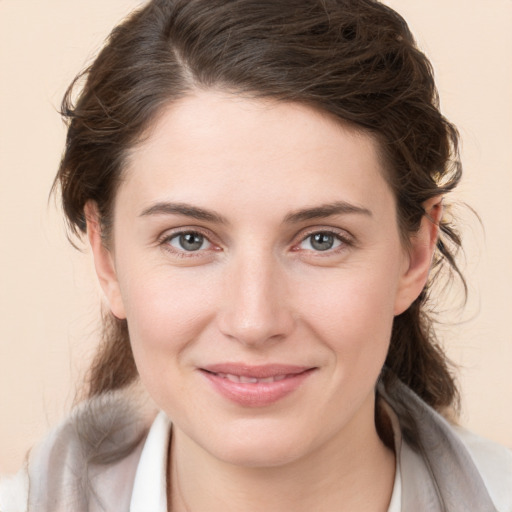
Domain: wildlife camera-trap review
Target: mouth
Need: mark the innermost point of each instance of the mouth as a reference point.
(256, 386)
(249, 380)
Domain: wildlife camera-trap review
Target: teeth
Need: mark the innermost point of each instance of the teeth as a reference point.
(250, 380)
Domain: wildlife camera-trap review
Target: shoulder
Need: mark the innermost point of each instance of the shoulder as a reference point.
(93, 453)
(455, 468)
(494, 462)
(14, 492)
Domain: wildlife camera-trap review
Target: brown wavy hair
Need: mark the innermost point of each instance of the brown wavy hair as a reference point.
(355, 59)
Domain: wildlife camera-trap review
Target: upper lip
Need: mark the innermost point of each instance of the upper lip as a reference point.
(255, 371)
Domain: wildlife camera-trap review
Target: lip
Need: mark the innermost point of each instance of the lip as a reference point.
(257, 393)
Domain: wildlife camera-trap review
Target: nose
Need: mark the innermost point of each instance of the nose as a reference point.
(255, 308)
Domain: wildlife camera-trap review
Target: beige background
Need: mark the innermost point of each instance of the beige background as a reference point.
(49, 301)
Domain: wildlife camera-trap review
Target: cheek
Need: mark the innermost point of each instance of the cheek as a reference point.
(352, 303)
(353, 315)
(166, 311)
(165, 303)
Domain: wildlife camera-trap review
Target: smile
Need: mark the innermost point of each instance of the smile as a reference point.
(256, 386)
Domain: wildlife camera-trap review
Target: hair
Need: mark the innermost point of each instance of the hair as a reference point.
(354, 59)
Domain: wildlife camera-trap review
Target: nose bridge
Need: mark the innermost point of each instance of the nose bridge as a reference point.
(255, 308)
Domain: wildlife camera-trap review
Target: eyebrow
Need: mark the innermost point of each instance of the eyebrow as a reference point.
(326, 210)
(316, 212)
(165, 208)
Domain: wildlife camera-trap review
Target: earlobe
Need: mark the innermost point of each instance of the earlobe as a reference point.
(103, 261)
(420, 255)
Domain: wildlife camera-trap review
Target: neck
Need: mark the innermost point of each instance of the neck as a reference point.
(352, 471)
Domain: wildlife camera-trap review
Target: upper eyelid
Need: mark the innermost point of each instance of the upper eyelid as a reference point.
(173, 232)
(342, 234)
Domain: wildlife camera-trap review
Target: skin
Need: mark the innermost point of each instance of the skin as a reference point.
(258, 291)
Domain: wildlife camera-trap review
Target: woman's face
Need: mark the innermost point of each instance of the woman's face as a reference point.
(257, 259)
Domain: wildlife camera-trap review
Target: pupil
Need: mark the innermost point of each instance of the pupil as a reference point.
(191, 241)
(322, 241)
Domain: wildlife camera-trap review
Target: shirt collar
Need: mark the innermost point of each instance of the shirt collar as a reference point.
(150, 485)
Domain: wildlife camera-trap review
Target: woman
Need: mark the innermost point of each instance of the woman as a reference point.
(262, 187)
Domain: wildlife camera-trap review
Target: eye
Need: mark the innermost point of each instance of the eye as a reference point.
(321, 241)
(189, 241)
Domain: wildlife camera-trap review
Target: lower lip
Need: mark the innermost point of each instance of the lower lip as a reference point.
(257, 394)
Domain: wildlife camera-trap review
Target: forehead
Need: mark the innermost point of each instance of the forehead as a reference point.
(213, 145)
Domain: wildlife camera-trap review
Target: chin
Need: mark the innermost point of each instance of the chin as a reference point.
(258, 446)
(261, 455)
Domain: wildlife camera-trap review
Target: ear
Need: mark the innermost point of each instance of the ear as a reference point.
(103, 261)
(420, 255)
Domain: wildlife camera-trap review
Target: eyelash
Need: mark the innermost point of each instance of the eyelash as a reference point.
(345, 241)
